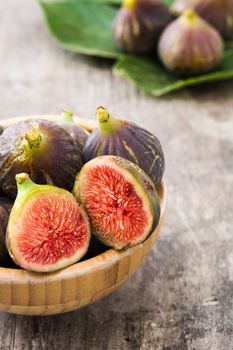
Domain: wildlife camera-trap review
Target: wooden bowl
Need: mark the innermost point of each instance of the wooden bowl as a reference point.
(27, 293)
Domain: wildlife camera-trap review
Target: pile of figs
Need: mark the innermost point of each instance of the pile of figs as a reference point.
(191, 44)
(67, 194)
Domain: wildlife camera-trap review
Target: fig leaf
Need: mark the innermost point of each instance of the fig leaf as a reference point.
(82, 26)
(85, 26)
(150, 76)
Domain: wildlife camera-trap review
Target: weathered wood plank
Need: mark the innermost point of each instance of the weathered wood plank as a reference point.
(182, 297)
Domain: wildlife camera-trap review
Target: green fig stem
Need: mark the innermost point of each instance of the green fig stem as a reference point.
(190, 15)
(129, 4)
(67, 117)
(33, 139)
(107, 123)
(24, 183)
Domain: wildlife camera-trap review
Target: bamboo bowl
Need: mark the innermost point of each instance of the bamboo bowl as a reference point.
(27, 293)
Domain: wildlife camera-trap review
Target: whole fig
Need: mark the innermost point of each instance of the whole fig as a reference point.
(190, 46)
(79, 134)
(126, 139)
(219, 13)
(138, 25)
(41, 148)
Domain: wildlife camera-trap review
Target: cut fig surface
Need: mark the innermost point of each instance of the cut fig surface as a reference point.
(120, 199)
(47, 229)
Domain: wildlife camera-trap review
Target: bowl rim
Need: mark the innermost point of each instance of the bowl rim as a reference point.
(96, 263)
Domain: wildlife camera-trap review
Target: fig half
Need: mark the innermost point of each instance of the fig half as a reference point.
(42, 149)
(190, 46)
(47, 230)
(79, 134)
(128, 140)
(120, 199)
(138, 25)
(219, 13)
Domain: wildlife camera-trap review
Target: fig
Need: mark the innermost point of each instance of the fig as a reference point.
(5, 208)
(180, 6)
(95, 248)
(219, 13)
(190, 46)
(120, 199)
(1, 130)
(40, 148)
(79, 134)
(47, 229)
(138, 25)
(128, 140)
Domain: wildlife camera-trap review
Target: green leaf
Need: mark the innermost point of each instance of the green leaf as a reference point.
(111, 2)
(82, 26)
(168, 2)
(229, 45)
(149, 76)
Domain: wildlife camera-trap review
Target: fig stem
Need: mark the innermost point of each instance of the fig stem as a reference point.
(190, 15)
(33, 139)
(107, 123)
(24, 183)
(67, 116)
(129, 4)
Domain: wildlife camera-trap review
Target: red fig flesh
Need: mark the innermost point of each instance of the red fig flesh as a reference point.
(47, 228)
(120, 199)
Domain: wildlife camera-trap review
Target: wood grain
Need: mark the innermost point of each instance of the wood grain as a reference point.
(181, 298)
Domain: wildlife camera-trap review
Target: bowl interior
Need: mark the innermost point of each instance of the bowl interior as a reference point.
(25, 292)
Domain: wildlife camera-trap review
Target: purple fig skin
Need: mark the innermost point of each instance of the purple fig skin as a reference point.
(219, 13)
(41, 148)
(190, 46)
(5, 209)
(128, 140)
(79, 134)
(139, 24)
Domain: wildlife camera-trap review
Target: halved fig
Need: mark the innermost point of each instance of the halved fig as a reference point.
(79, 134)
(119, 137)
(47, 230)
(120, 199)
(40, 148)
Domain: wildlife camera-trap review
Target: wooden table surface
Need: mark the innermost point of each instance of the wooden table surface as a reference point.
(182, 297)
